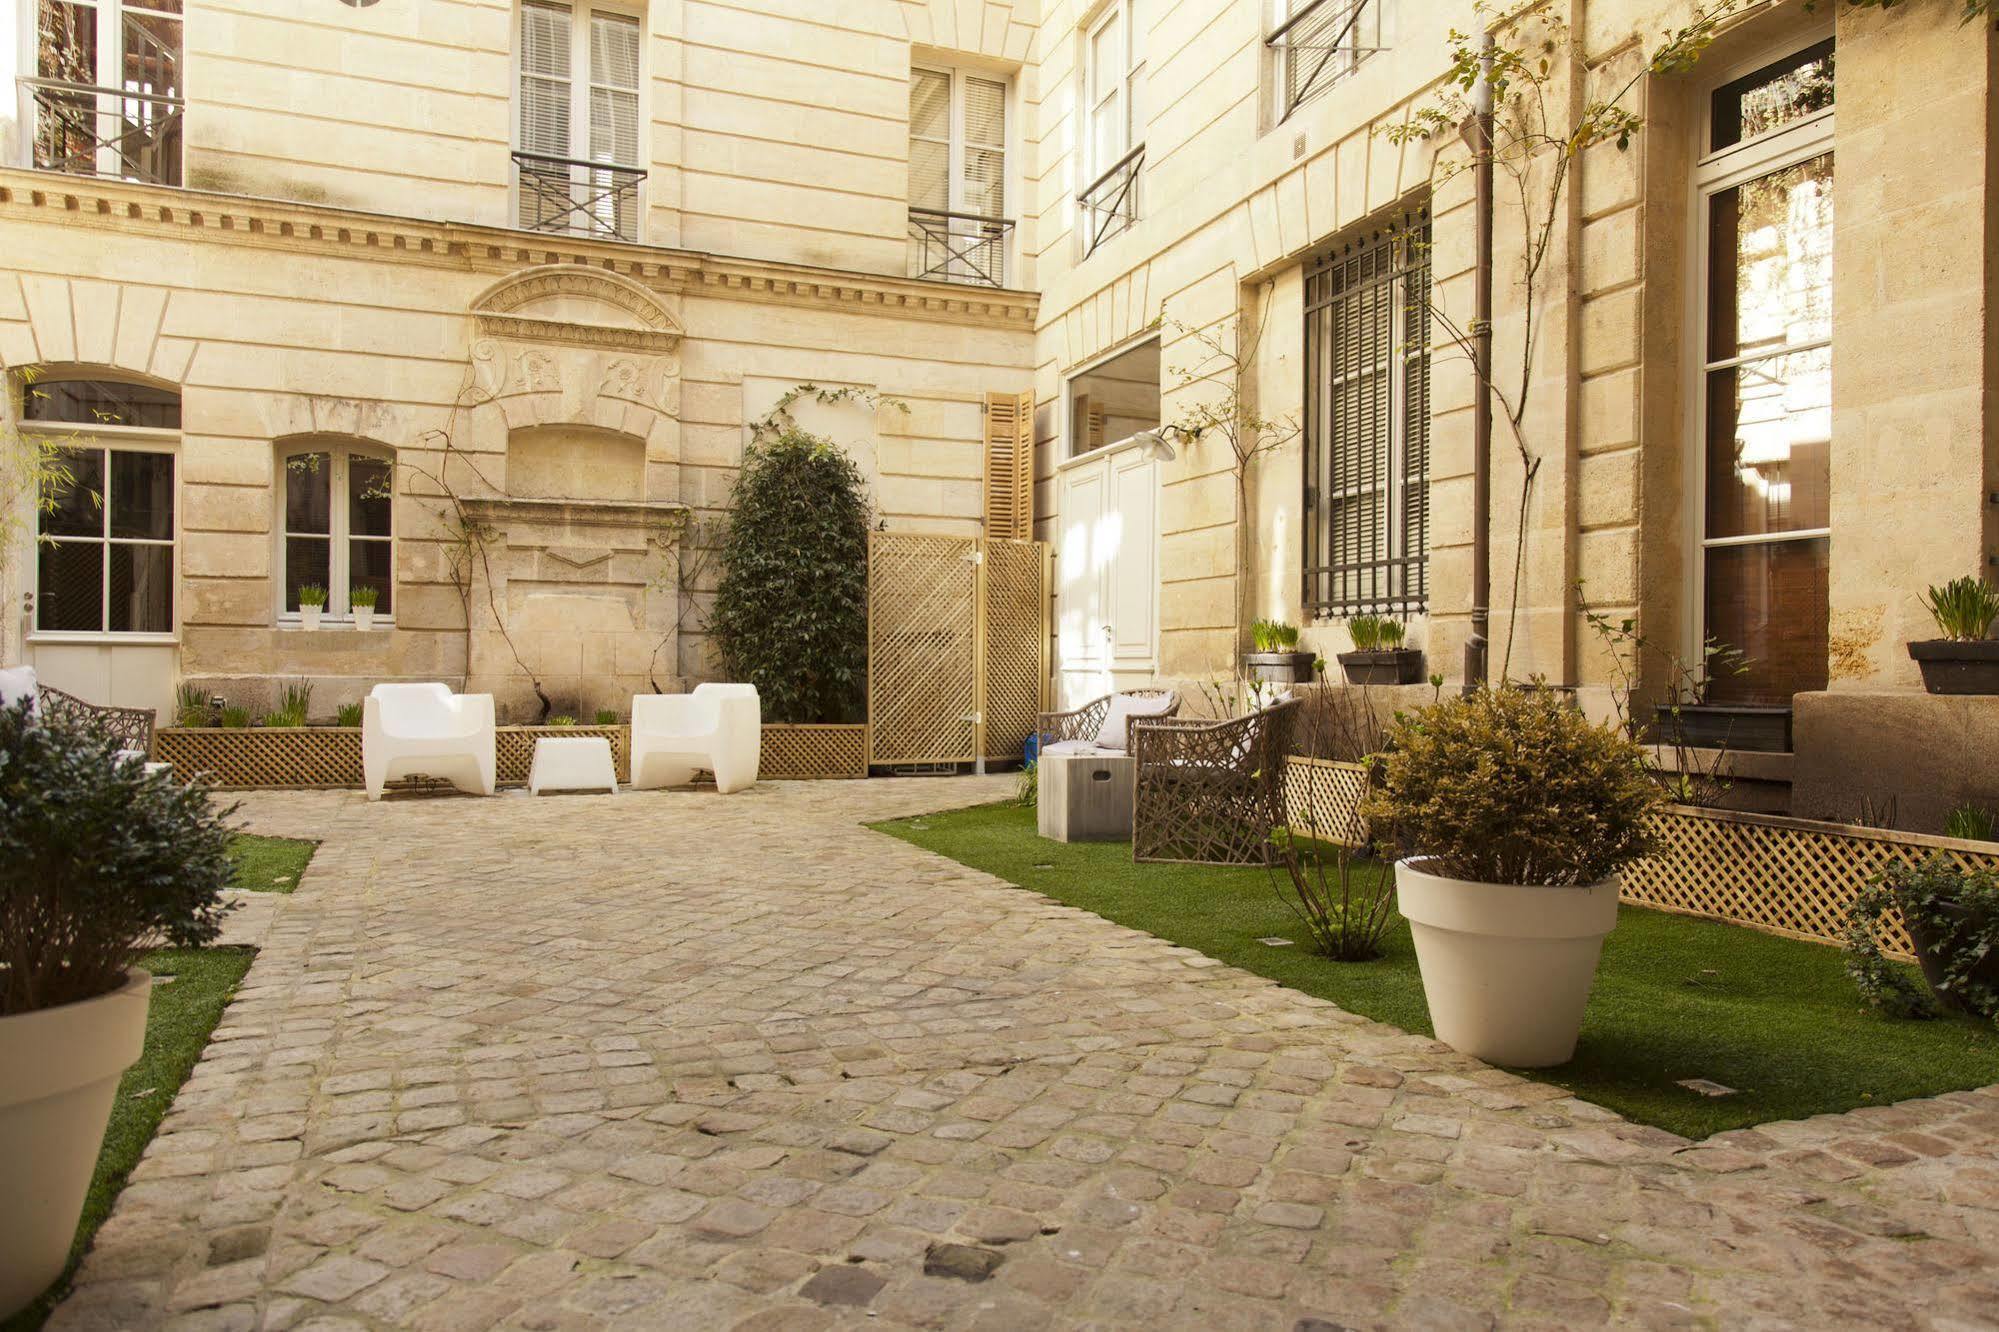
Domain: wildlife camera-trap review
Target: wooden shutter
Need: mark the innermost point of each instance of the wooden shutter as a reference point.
(1010, 465)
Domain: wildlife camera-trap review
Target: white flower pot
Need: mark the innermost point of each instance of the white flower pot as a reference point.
(364, 616)
(308, 616)
(1507, 968)
(59, 1070)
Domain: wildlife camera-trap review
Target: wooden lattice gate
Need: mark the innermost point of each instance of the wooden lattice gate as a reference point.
(957, 647)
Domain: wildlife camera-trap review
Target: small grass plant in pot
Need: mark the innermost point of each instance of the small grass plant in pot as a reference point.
(1511, 814)
(311, 605)
(103, 861)
(1379, 656)
(361, 605)
(1276, 658)
(1965, 660)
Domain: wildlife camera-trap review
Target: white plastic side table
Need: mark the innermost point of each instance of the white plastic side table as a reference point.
(572, 763)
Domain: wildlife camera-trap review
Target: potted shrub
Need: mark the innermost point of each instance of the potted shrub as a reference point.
(1276, 659)
(104, 861)
(1966, 659)
(1511, 813)
(1952, 915)
(361, 605)
(1378, 657)
(311, 605)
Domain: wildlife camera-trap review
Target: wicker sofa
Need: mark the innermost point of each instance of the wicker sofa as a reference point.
(131, 728)
(1207, 789)
(1076, 730)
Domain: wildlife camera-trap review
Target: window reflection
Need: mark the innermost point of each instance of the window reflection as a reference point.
(1775, 96)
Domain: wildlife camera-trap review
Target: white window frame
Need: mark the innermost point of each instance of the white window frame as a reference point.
(108, 74)
(1131, 134)
(955, 149)
(1370, 33)
(110, 439)
(340, 452)
(1715, 171)
(580, 86)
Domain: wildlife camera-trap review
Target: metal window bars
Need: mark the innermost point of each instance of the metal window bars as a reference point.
(958, 247)
(1320, 44)
(84, 130)
(1367, 424)
(577, 195)
(1109, 204)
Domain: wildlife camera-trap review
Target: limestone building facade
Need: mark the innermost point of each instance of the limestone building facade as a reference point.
(307, 290)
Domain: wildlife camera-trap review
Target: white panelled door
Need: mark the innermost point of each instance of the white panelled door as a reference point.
(1107, 571)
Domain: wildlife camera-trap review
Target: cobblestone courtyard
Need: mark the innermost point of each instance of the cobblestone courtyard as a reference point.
(677, 1060)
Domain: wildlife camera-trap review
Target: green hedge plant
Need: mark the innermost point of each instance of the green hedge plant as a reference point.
(1512, 786)
(791, 609)
(100, 861)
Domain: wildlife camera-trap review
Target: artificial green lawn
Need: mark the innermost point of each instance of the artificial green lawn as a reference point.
(182, 1014)
(269, 864)
(1776, 1019)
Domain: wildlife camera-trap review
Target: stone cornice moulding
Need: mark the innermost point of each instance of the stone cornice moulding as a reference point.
(294, 228)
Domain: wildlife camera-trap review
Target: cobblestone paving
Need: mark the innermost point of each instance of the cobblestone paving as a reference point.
(678, 1060)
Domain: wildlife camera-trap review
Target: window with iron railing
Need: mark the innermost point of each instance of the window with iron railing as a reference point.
(578, 167)
(1114, 121)
(958, 227)
(1367, 424)
(105, 97)
(1315, 43)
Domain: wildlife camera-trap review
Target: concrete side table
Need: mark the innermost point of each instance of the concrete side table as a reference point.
(572, 763)
(1086, 797)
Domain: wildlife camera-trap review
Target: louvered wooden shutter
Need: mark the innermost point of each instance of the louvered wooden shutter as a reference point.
(1010, 465)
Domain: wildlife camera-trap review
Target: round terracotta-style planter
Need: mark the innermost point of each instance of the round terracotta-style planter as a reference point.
(59, 1070)
(1507, 968)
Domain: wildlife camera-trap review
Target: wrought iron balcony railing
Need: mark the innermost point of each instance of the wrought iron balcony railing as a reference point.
(576, 195)
(1320, 44)
(85, 130)
(1109, 204)
(958, 247)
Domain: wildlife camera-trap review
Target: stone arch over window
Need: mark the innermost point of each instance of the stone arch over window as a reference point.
(334, 522)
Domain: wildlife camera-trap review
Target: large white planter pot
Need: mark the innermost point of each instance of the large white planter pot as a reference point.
(59, 1070)
(1507, 968)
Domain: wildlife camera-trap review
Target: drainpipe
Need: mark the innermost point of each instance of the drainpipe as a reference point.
(1478, 134)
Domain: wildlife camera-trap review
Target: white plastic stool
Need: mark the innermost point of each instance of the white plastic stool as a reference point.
(572, 763)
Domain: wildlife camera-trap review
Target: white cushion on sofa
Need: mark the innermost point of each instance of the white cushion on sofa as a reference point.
(1115, 732)
(16, 683)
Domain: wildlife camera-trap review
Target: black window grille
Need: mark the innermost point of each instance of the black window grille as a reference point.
(1367, 424)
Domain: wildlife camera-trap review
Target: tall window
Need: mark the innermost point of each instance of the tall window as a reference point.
(1367, 424)
(958, 226)
(578, 162)
(106, 88)
(1114, 111)
(1316, 43)
(1766, 189)
(105, 553)
(338, 531)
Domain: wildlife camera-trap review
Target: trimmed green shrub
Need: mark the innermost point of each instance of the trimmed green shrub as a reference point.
(1512, 786)
(791, 610)
(103, 861)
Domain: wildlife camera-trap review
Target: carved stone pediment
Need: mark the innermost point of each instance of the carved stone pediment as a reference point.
(567, 305)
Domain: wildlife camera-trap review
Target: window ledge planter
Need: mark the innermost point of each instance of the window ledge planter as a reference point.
(1507, 968)
(1739, 727)
(59, 1069)
(1955, 666)
(1391, 666)
(1278, 667)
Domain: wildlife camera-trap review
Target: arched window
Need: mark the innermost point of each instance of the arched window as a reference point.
(107, 524)
(336, 523)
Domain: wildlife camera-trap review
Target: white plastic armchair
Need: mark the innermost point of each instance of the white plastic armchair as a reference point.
(424, 729)
(718, 727)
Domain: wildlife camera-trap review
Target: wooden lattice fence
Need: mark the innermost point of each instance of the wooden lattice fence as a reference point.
(1794, 877)
(1013, 647)
(802, 753)
(957, 647)
(303, 758)
(1323, 797)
